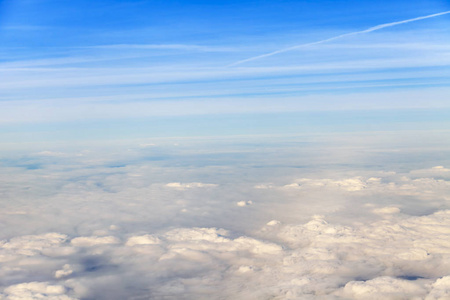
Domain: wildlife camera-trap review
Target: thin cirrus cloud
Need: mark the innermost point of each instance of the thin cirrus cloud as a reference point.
(173, 74)
(164, 47)
(20, 78)
(99, 57)
(371, 29)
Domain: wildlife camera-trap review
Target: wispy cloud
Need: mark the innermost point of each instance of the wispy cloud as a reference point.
(371, 29)
(164, 47)
(96, 56)
(25, 27)
(22, 78)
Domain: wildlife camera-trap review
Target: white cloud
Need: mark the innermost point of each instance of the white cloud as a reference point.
(387, 210)
(440, 289)
(182, 186)
(65, 271)
(98, 231)
(399, 257)
(348, 184)
(142, 240)
(437, 171)
(30, 245)
(384, 288)
(36, 290)
(89, 241)
(416, 184)
(244, 203)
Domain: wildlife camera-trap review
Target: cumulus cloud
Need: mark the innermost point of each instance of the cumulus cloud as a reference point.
(65, 271)
(399, 258)
(425, 184)
(384, 288)
(150, 226)
(440, 289)
(182, 186)
(94, 240)
(143, 240)
(348, 184)
(244, 203)
(36, 290)
(32, 244)
(387, 210)
(437, 171)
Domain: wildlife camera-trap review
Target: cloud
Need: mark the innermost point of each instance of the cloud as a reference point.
(244, 203)
(371, 29)
(440, 289)
(387, 210)
(349, 184)
(400, 257)
(164, 47)
(30, 245)
(125, 225)
(36, 290)
(142, 240)
(182, 186)
(94, 241)
(418, 184)
(384, 288)
(64, 272)
(434, 172)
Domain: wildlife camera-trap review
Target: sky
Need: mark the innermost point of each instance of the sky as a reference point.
(175, 66)
(224, 149)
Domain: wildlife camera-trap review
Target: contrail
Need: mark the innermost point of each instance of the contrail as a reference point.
(374, 28)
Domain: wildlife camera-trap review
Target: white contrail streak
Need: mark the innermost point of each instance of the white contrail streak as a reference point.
(374, 28)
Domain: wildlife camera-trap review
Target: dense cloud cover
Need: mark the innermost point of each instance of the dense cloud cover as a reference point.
(396, 258)
(227, 220)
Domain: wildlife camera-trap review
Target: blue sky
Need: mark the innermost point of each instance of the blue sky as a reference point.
(174, 67)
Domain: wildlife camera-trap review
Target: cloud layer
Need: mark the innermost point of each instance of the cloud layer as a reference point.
(397, 258)
(229, 219)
